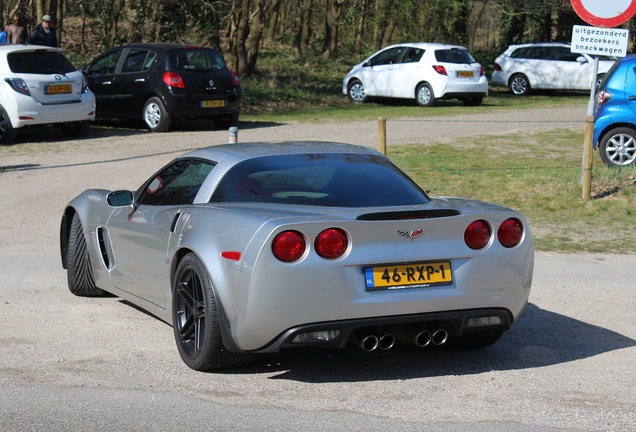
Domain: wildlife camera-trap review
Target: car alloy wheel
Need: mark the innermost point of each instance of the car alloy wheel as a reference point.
(618, 147)
(156, 116)
(519, 85)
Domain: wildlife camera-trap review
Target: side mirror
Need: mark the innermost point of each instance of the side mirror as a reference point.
(122, 198)
(581, 59)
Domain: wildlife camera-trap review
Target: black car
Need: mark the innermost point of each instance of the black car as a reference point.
(159, 82)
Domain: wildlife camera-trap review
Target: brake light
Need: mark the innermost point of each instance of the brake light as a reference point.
(331, 243)
(237, 82)
(603, 97)
(481, 71)
(510, 232)
(18, 85)
(477, 234)
(173, 79)
(497, 67)
(440, 69)
(289, 246)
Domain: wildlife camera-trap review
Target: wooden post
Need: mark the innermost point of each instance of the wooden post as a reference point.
(382, 135)
(588, 147)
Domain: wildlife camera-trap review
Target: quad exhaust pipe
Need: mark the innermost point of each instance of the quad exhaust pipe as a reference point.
(421, 338)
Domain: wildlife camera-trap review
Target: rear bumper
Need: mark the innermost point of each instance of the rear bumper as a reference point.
(403, 328)
(33, 113)
(190, 107)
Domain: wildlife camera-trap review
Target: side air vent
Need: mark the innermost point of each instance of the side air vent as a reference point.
(104, 246)
(412, 214)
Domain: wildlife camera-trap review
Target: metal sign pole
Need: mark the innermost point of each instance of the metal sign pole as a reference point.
(588, 144)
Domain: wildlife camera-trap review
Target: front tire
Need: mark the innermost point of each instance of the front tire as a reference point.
(519, 85)
(618, 147)
(156, 116)
(195, 319)
(7, 132)
(355, 91)
(78, 265)
(424, 95)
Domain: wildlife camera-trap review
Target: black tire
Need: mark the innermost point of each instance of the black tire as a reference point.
(155, 115)
(75, 129)
(355, 91)
(618, 147)
(519, 84)
(473, 100)
(195, 319)
(226, 121)
(424, 95)
(7, 132)
(473, 339)
(78, 266)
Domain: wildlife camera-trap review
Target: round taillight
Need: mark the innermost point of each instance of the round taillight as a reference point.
(477, 235)
(288, 246)
(331, 243)
(510, 232)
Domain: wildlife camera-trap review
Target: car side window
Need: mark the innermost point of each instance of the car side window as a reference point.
(413, 55)
(137, 60)
(564, 54)
(390, 56)
(105, 65)
(177, 184)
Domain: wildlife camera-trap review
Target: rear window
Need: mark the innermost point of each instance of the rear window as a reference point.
(202, 59)
(340, 180)
(39, 62)
(454, 55)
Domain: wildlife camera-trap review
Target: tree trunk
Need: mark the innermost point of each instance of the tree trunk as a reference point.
(332, 17)
(273, 20)
(242, 32)
(255, 36)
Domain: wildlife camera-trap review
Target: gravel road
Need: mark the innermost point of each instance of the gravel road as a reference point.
(70, 363)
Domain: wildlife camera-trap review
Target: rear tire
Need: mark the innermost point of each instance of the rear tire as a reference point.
(618, 147)
(155, 115)
(7, 132)
(79, 271)
(195, 319)
(424, 95)
(519, 85)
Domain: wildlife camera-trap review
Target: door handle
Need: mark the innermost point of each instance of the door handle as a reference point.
(106, 82)
(632, 98)
(140, 80)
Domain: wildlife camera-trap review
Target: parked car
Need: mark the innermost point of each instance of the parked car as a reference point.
(39, 86)
(159, 82)
(547, 66)
(424, 72)
(615, 114)
(256, 247)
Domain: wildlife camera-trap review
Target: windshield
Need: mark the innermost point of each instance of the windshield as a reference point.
(341, 180)
(200, 59)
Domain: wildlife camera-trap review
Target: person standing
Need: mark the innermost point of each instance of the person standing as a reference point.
(43, 33)
(16, 32)
(3, 35)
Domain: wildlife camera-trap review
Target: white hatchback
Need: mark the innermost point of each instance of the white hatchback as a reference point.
(421, 71)
(38, 86)
(547, 66)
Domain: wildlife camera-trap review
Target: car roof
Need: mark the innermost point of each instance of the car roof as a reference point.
(562, 44)
(159, 46)
(427, 45)
(11, 48)
(249, 150)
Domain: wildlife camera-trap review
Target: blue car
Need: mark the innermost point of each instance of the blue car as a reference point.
(615, 114)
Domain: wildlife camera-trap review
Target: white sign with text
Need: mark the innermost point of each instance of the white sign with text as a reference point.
(599, 41)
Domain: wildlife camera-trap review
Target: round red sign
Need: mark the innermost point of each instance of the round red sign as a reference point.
(605, 13)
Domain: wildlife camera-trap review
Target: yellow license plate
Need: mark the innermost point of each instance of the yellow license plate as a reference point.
(58, 89)
(465, 74)
(408, 275)
(212, 104)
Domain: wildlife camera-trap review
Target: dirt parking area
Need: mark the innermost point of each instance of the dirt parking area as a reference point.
(70, 363)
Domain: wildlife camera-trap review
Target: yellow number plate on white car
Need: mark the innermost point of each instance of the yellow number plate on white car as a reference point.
(408, 275)
(212, 104)
(58, 89)
(465, 74)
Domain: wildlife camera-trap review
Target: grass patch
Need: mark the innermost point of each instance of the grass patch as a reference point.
(542, 182)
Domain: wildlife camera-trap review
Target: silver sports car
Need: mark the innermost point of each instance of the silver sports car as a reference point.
(252, 248)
